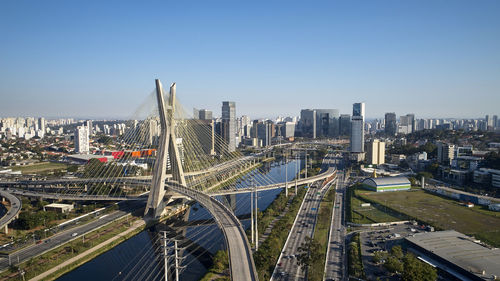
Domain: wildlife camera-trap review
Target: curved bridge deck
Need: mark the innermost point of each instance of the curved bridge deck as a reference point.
(241, 262)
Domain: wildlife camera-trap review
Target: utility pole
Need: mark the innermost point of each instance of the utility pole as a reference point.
(251, 215)
(306, 162)
(177, 259)
(286, 176)
(297, 174)
(165, 254)
(256, 214)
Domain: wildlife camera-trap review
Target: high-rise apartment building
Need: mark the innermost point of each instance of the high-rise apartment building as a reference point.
(82, 140)
(376, 152)
(390, 123)
(41, 124)
(358, 110)
(445, 153)
(265, 132)
(345, 125)
(308, 123)
(358, 127)
(327, 122)
(228, 124)
(204, 114)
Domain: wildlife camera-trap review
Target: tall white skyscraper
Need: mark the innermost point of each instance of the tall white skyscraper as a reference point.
(358, 127)
(82, 140)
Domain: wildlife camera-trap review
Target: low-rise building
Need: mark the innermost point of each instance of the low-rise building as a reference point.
(487, 176)
(59, 208)
(387, 184)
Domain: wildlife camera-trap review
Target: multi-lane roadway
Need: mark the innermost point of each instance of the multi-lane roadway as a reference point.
(335, 256)
(335, 265)
(65, 236)
(15, 207)
(286, 268)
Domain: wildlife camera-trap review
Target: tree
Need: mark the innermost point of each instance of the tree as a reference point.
(379, 256)
(393, 265)
(220, 262)
(72, 168)
(308, 253)
(105, 140)
(426, 175)
(397, 252)
(416, 270)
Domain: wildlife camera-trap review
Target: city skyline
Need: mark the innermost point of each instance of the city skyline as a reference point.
(98, 59)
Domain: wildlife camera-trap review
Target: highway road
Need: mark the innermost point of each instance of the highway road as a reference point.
(15, 207)
(65, 236)
(286, 267)
(335, 263)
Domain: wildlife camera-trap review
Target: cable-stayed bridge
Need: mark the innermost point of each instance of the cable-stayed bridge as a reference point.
(187, 159)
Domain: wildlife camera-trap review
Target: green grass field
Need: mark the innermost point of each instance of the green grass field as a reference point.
(372, 214)
(441, 212)
(39, 167)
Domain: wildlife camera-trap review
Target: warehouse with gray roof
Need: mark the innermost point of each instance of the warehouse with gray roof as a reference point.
(457, 254)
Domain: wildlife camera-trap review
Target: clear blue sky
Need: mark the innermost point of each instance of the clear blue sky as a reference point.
(433, 58)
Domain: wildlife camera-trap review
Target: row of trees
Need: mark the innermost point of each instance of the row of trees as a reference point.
(267, 255)
(29, 219)
(309, 253)
(355, 263)
(405, 265)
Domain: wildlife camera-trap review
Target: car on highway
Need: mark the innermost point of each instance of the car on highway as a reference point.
(74, 234)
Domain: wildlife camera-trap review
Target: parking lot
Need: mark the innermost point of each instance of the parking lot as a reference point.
(382, 239)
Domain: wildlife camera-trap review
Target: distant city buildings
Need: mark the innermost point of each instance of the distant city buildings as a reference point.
(406, 124)
(205, 114)
(319, 123)
(202, 114)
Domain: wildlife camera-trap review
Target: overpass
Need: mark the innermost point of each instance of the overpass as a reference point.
(10, 187)
(241, 262)
(331, 171)
(15, 207)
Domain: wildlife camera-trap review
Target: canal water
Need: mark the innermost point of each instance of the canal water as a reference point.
(139, 258)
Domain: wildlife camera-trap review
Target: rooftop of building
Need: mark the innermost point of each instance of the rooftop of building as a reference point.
(58, 205)
(387, 180)
(460, 250)
(85, 156)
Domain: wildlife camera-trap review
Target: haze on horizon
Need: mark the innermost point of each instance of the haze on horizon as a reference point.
(94, 59)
